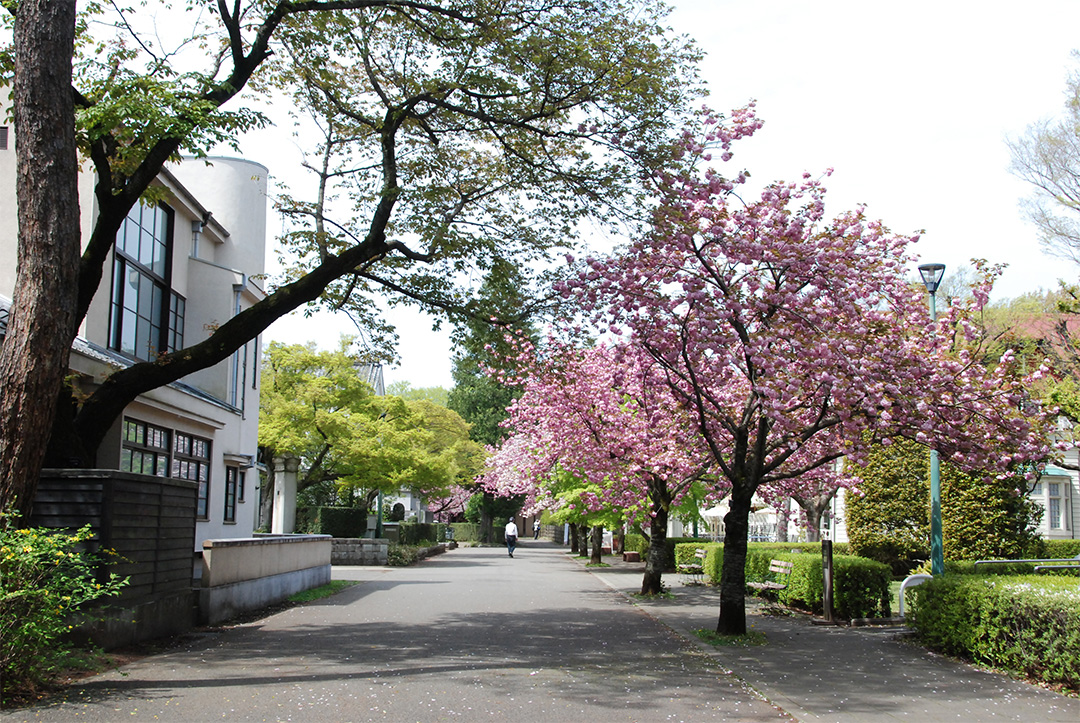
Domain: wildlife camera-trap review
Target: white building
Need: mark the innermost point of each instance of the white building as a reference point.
(177, 271)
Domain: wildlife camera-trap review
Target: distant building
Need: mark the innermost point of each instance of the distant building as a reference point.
(177, 271)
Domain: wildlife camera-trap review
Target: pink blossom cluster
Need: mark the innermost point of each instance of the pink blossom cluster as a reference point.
(795, 339)
(600, 415)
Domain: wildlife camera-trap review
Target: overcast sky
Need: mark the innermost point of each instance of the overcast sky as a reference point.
(910, 104)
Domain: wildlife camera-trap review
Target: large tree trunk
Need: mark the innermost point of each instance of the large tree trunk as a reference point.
(573, 538)
(597, 545)
(732, 620)
(656, 557)
(34, 356)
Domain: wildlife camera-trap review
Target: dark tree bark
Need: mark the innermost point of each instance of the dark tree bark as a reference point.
(573, 539)
(34, 357)
(597, 545)
(732, 620)
(656, 558)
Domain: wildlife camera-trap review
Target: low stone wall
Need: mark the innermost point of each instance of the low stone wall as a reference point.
(358, 551)
(251, 573)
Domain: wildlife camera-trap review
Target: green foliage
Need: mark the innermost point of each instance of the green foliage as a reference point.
(400, 555)
(672, 543)
(751, 639)
(435, 395)
(419, 533)
(466, 531)
(710, 566)
(982, 517)
(1059, 549)
(333, 521)
(46, 580)
(633, 542)
(1029, 625)
(323, 591)
(860, 586)
(316, 405)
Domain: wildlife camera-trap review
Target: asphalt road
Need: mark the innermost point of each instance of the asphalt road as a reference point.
(471, 635)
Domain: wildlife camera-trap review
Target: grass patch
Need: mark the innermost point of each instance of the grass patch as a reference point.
(597, 564)
(663, 595)
(752, 638)
(318, 593)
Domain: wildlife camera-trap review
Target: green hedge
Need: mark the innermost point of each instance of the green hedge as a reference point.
(1029, 624)
(635, 543)
(1059, 548)
(416, 533)
(860, 585)
(466, 531)
(333, 521)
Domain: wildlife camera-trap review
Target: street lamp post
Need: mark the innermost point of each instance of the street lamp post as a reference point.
(931, 277)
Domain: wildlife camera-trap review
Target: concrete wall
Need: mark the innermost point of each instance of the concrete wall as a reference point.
(247, 574)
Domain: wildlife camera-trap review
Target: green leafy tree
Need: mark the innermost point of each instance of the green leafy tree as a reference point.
(889, 518)
(453, 136)
(352, 443)
(403, 389)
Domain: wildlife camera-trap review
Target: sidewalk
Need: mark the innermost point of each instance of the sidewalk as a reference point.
(828, 673)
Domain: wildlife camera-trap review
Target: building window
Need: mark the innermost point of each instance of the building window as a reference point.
(145, 449)
(3, 138)
(232, 475)
(191, 461)
(146, 318)
(241, 485)
(1053, 505)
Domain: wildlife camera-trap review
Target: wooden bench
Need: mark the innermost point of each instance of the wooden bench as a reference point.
(692, 571)
(781, 569)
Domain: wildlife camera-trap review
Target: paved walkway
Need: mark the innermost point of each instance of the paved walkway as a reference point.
(473, 635)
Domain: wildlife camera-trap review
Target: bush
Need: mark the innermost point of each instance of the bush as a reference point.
(46, 578)
(466, 531)
(860, 586)
(1060, 549)
(398, 555)
(416, 533)
(1029, 625)
(636, 543)
(333, 521)
(710, 566)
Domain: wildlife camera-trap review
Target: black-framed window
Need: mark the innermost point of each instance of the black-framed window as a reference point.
(145, 448)
(191, 461)
(241, 485)
(3, 138)
(146, 316)
(232, 475)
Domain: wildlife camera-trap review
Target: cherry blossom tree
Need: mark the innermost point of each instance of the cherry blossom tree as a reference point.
(602, 415)
(794, 339)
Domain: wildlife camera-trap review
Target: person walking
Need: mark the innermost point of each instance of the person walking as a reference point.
(511, 536)
(536, 529)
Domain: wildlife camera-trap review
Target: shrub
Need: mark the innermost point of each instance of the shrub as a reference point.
(636, 543)
(710, 566)
(860, 586)
(466, 531)
(1060, 549)
(1029, 625)
(416, 533)
(333, 521)
(398, 555)
(46, 578)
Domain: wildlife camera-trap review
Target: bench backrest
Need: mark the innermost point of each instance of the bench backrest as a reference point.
(781, 567)
(700, 552)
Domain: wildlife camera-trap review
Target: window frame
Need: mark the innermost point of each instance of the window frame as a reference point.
(144, 310)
